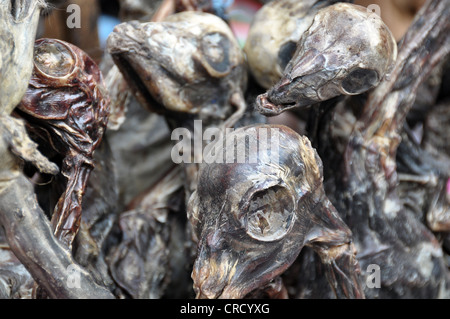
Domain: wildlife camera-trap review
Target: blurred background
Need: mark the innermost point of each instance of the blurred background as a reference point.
(98, 18)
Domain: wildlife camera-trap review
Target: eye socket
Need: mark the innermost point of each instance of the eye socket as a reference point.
(54, 59)
(270, 214)
(359, 81)
(286, 53)
(216, 52)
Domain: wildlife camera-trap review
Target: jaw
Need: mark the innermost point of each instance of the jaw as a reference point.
(267, 108)
(228, 273)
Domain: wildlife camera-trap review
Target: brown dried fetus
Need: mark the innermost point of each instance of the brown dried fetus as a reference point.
(347, 50)
(253, 217)
(67, 105)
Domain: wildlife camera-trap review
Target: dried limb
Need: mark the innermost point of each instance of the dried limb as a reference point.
(423, 47)
(367, 188)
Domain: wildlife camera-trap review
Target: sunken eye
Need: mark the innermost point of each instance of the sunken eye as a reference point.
(359, 81)
(216, 53)
(270, 214)
(54, 59)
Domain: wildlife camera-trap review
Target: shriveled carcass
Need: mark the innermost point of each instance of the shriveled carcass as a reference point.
(26, 228)
(188, 67)
(253, 215)
(346, 51)
(67, 106)
(151, 258)
(386, 234)
(273, 35)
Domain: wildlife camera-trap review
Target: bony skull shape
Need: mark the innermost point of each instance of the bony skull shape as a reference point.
(347, 50)
(189, 63)
(253, 216)
(273, 36)
(66, 94)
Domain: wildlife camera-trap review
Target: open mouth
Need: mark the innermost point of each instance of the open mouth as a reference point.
(267, 108)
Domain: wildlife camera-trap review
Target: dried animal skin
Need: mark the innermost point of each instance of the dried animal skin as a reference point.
(100, 208)
(272, 39)
(139, 264)
(142, 10)
(30, 236)
(66, 97)
(27, 230)
(15, 281)
(384, 231)
(437, 130)
(171, 62)
(18, 21)
(269, 210)
(423, 183)
(346, 50)
(188, 67)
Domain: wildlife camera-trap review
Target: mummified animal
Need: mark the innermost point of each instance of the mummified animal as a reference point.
(253, 216)
(67, 105)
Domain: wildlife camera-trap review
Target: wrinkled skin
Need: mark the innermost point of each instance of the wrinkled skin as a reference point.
(140, 263)
(366, 178)
(66, 101)
(101, 207)
(188, 67)
(272, 39)
(345, 51)
(25, 226)
(252, 218)
(18, 21)
(15, 281)
(436, 131)
(423, 184)
(170, 62)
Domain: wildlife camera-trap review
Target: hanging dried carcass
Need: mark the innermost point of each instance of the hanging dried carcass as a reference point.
(409, 257)
(66, 100)
(346, 51)
(273, 35)
(188, 67)
(26, 227)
